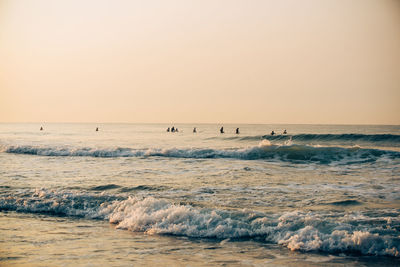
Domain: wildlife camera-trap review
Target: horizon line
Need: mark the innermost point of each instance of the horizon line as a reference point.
(228, 123)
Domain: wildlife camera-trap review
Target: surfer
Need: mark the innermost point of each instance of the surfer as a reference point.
(221, 130)
(41, 128)
(272, 133)
(284, 132)
(97, 129)
(194, 130)
(176, 130)
(168, 129)
(237, 130)
(173, 129)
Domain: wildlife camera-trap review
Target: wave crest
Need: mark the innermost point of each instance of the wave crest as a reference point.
(289, 152)
(336, 137)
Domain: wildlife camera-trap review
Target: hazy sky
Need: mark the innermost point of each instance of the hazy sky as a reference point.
(286, 61)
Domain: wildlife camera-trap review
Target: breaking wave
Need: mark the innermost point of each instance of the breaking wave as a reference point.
(381, 139)
(336, 137)
(333, 232)
(291, 153)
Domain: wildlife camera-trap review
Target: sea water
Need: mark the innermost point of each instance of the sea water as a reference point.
(134, 194)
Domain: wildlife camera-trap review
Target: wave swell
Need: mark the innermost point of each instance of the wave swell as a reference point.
(291, 153)
(303, 231)
(336, 137)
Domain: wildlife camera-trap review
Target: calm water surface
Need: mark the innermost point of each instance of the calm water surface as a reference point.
(133, 194)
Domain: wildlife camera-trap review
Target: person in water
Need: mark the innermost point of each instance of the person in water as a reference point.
(221, 130)
(284, 132)
(237, 130)
(176, 130)
(168, 130)
(97, 129)
(41, 128)
(173, 129)
(194, 130)
(272, 133)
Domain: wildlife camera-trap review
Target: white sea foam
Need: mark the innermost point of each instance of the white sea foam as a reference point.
(295, 230)
(298, 230)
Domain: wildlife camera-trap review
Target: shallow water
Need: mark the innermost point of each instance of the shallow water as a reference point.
(135, 194)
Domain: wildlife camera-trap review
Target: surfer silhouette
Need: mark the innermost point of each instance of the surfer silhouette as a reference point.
(41, 128)
(272, 133)
(237, 130)
(221, 130)
(173, 129)
(97, 129)
(194, 130)
(168, 129)
(284, 132)
(176, 130)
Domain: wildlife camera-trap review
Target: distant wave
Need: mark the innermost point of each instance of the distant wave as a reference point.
(336, 232)
(291, 153)
(336, 137)
(313, 138)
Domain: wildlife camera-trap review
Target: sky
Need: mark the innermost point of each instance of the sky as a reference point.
(208, 61)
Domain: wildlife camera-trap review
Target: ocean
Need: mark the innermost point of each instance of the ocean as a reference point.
(137, 195)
